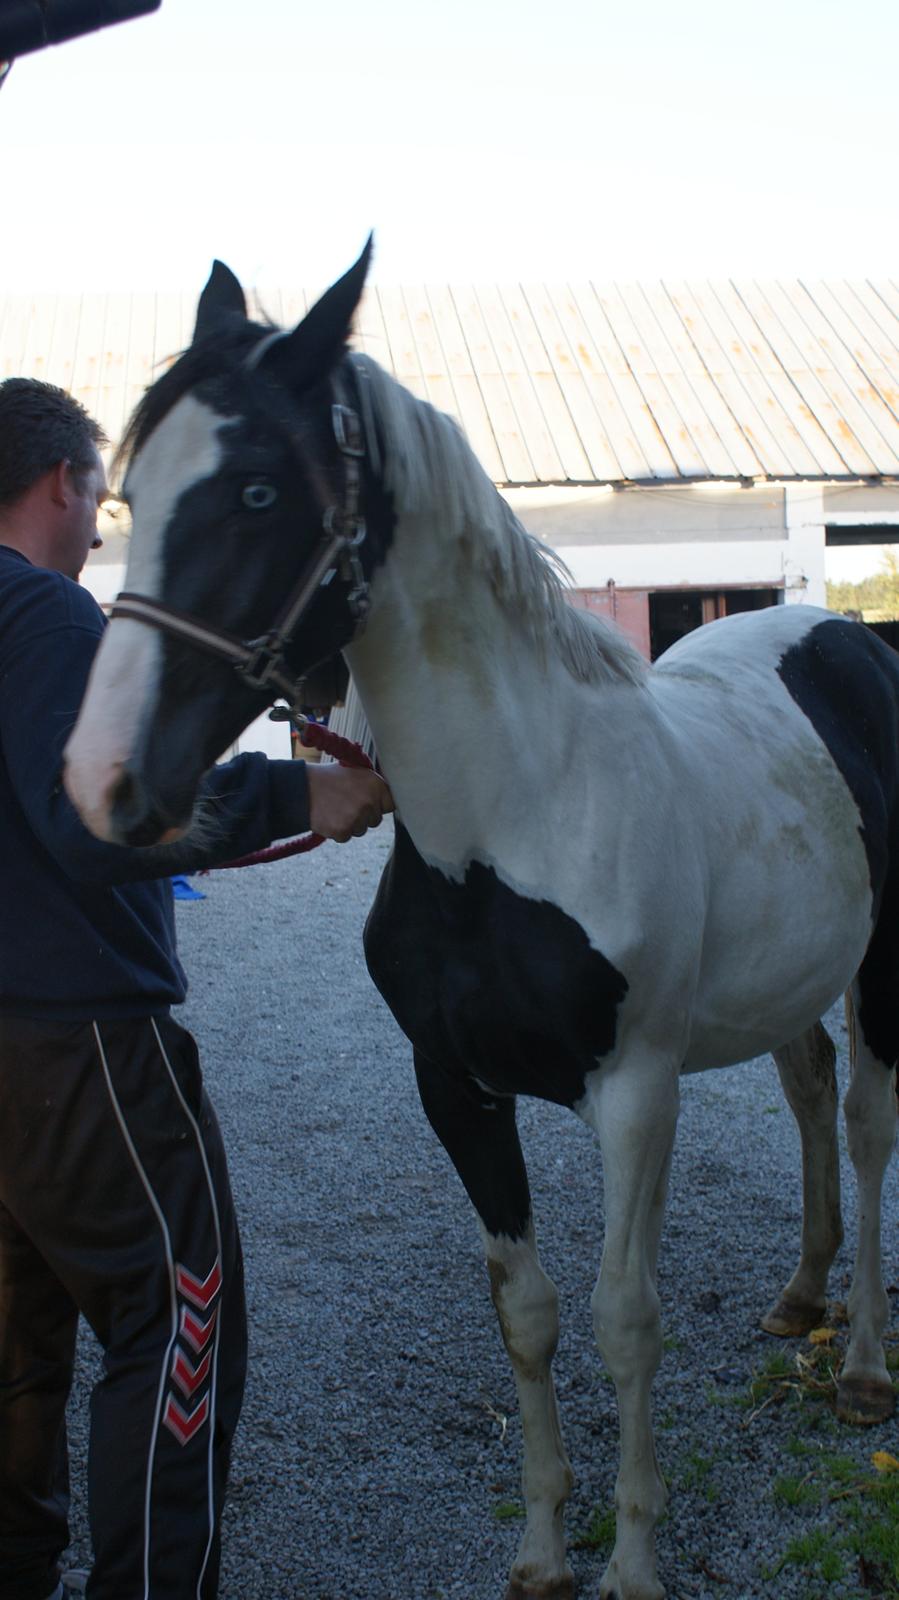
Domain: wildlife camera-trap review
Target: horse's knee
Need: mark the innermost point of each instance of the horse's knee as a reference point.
(527, 1306)
(627, 1324)
(870, 1113)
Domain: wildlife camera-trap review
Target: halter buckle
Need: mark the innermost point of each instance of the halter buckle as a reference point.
(265, 661)
(347, 430)
(353, 573)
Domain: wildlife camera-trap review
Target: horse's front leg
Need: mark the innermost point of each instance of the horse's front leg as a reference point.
(633, 1107)
(479, 1134)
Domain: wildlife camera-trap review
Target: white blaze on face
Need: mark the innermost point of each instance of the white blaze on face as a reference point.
(122, 689)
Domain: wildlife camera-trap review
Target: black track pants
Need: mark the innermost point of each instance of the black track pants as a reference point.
(114, 1201)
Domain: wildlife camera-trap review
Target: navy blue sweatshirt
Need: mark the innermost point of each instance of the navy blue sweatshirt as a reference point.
(87, 929)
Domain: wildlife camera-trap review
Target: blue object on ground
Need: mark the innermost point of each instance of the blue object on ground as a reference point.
(183, 889)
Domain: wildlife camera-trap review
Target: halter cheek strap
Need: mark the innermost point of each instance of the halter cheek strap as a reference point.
(261, 663)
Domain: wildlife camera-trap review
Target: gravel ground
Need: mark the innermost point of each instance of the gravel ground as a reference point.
(378, 1456)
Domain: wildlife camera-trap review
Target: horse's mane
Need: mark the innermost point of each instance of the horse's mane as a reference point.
(431, 467)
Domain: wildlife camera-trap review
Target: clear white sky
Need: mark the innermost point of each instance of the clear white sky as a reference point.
(482, 139)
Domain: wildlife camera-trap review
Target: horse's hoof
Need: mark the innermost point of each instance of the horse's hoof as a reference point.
(864, 1401)
(612, 1588)
(555, 1589)
(792, 1319)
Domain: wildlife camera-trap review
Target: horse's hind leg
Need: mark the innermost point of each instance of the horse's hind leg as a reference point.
(864, 1392)
(806, 1068)
(479, 1134)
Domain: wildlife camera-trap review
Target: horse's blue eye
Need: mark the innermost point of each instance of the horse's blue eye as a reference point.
(258, 496)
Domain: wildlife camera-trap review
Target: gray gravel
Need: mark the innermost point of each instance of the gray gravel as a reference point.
(379, 1439)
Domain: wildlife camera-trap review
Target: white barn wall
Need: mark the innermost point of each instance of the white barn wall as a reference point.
(649, 566)
(708, 536)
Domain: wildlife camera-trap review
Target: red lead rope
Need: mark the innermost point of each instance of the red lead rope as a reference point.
(316, 737)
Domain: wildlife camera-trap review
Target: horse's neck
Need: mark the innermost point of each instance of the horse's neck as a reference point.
(464, 706)
(439, 644)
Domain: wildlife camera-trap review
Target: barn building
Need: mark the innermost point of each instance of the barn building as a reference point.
(689, 449)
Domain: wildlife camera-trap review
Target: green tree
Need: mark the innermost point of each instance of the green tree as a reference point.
(876, 597)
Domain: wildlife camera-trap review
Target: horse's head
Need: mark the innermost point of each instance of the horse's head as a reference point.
(243, 478)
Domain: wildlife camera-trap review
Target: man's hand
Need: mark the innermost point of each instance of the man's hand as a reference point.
(344, 802)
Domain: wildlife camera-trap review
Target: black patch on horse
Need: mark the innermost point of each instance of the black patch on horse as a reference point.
(846, 680)
(488, 983)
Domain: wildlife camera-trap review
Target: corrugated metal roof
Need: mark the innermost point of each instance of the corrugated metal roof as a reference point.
(587, 383)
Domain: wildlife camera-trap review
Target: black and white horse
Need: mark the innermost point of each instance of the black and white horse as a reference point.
(685, 869)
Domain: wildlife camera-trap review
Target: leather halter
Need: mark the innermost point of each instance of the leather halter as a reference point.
(261, 663)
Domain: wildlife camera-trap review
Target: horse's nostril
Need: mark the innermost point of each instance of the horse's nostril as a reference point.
(124, 794)
(135, 818)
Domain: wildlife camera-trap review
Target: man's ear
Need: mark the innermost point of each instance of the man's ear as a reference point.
(59, 483)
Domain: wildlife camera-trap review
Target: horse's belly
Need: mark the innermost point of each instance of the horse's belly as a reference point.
(769, 977)
(714, 1043)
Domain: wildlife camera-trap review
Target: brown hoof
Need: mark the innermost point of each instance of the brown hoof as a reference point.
(611, 1590)
(792, 1319)
(864, 1401)
(558, 1589)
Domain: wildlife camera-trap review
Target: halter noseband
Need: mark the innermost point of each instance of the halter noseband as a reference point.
(261, 663)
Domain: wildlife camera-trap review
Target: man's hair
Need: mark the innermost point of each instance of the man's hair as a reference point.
(41, 425)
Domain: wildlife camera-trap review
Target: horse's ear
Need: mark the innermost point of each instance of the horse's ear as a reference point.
(316, 344)
(221, 297)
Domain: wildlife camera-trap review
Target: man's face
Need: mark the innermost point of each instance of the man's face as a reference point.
(77, 533)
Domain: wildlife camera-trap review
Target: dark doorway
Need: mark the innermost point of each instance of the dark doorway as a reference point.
(674, 612)
(671, 615)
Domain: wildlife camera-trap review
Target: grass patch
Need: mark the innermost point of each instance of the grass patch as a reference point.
(724, 1397)
(797, 1446)
(874, 1534)
(599, 1533)
(858, 1544)
(695, 1476)
(839, 1469)
(792, 1491)
(807, 1374)
(816, 1554)
(508, 1511)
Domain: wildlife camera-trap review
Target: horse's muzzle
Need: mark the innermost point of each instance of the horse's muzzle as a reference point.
(135, 816)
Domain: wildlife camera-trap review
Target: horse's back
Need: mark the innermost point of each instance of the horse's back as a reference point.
(839, 675)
